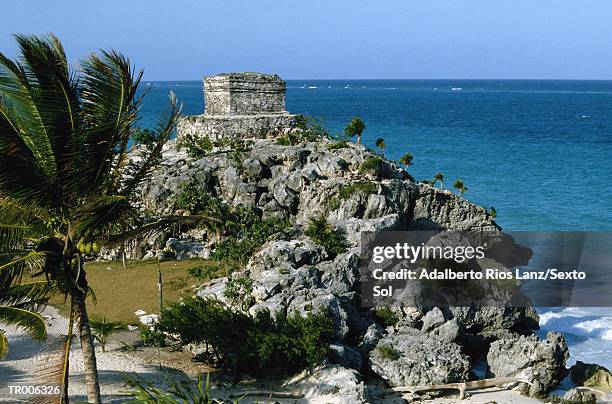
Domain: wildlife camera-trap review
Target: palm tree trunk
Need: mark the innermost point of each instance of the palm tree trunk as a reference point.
(89, 353)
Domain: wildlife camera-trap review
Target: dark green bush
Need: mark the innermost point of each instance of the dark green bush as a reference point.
(260, 345)
(241, 230)
(373, 166)
(206, 272)
(346, 191)
(324, 234)
(196, 146)
(310, 130)
(386, 316)
(388, 352)
(152, 337)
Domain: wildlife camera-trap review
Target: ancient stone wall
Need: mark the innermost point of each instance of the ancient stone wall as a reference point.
(244, 94)
(240, 105)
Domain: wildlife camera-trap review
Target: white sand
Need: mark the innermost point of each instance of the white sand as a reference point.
(27, 356)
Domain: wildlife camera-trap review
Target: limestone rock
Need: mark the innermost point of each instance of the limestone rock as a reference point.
(345, 356)
(541, 362)
(330, 384)
(414, 359)
(579, 396)
(591, 375)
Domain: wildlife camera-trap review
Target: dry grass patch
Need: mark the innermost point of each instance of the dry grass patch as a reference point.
(120, 292)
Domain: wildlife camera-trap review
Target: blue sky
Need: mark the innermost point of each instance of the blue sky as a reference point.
(307, 39)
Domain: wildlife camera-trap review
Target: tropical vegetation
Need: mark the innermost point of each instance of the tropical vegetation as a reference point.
(439, 177)
(103, 331)
(66, 181)
(261, 344)
(460, 187)
(406, 160)
(355, 128)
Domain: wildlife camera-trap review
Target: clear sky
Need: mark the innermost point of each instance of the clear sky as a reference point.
(307, 39)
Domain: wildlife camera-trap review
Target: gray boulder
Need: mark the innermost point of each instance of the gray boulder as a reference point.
(540, 361)
(579, 396)
(329, 384)
(415, 359)
(346, 356)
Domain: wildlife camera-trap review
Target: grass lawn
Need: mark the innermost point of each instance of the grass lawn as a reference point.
(120, 292)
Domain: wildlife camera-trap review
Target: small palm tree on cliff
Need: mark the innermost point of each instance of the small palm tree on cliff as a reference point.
(493, 212)
(439, 177)
(460, 186)
(406, 160)
(380, 143)
(355, 128)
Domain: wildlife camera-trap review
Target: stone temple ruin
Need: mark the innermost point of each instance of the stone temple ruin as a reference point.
(240, 105)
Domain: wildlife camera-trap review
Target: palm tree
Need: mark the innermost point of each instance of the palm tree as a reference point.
(66, 179)
(493, 212)
(439, 177)
(406, 160)
(104, 330)
(355, 128)
(460, 186)
(380, 143)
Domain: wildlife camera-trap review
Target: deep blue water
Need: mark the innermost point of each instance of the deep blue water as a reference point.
(540, 152)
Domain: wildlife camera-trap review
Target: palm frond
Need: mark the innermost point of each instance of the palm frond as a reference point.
(160, 224)
(16, 266)
(3, 344)
(28, 295)
(151, 153)
(104, 213)
(33, 323)
(54, 372)
(110, 108)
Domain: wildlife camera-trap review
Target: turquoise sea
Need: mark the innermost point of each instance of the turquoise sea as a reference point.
(540, 152)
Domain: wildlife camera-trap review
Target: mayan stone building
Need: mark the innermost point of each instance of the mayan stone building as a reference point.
(240, 105)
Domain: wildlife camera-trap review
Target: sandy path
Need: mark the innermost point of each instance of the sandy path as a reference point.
(27, 356)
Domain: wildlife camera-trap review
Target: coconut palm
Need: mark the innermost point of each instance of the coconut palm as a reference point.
(104, 330)
(355, 128)
(380, 143)
(460, 186)
(66, 179)
(493, 212)
(406, 160)
(439, 177)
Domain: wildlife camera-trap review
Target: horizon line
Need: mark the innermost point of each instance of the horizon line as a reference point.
(408, 79)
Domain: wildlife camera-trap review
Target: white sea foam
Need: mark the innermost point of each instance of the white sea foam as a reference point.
(582, 322)
(588, 331)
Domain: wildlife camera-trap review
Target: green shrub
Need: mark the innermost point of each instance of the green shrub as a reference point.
(238, 291)
(346, 191)
(372, 165)
(324, 234)
(152, 337)
(386, 316)
(206, 272)
(251, 235)
(339, 144)
(309, 130)
(388, 352)
(196, 146)
(241, 230)
(333, 203)
(176, 392)
(260, 345)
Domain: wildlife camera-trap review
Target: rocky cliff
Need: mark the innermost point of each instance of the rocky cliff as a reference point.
(327, 179)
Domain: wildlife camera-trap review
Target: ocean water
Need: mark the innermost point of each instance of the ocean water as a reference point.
(540, 152)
